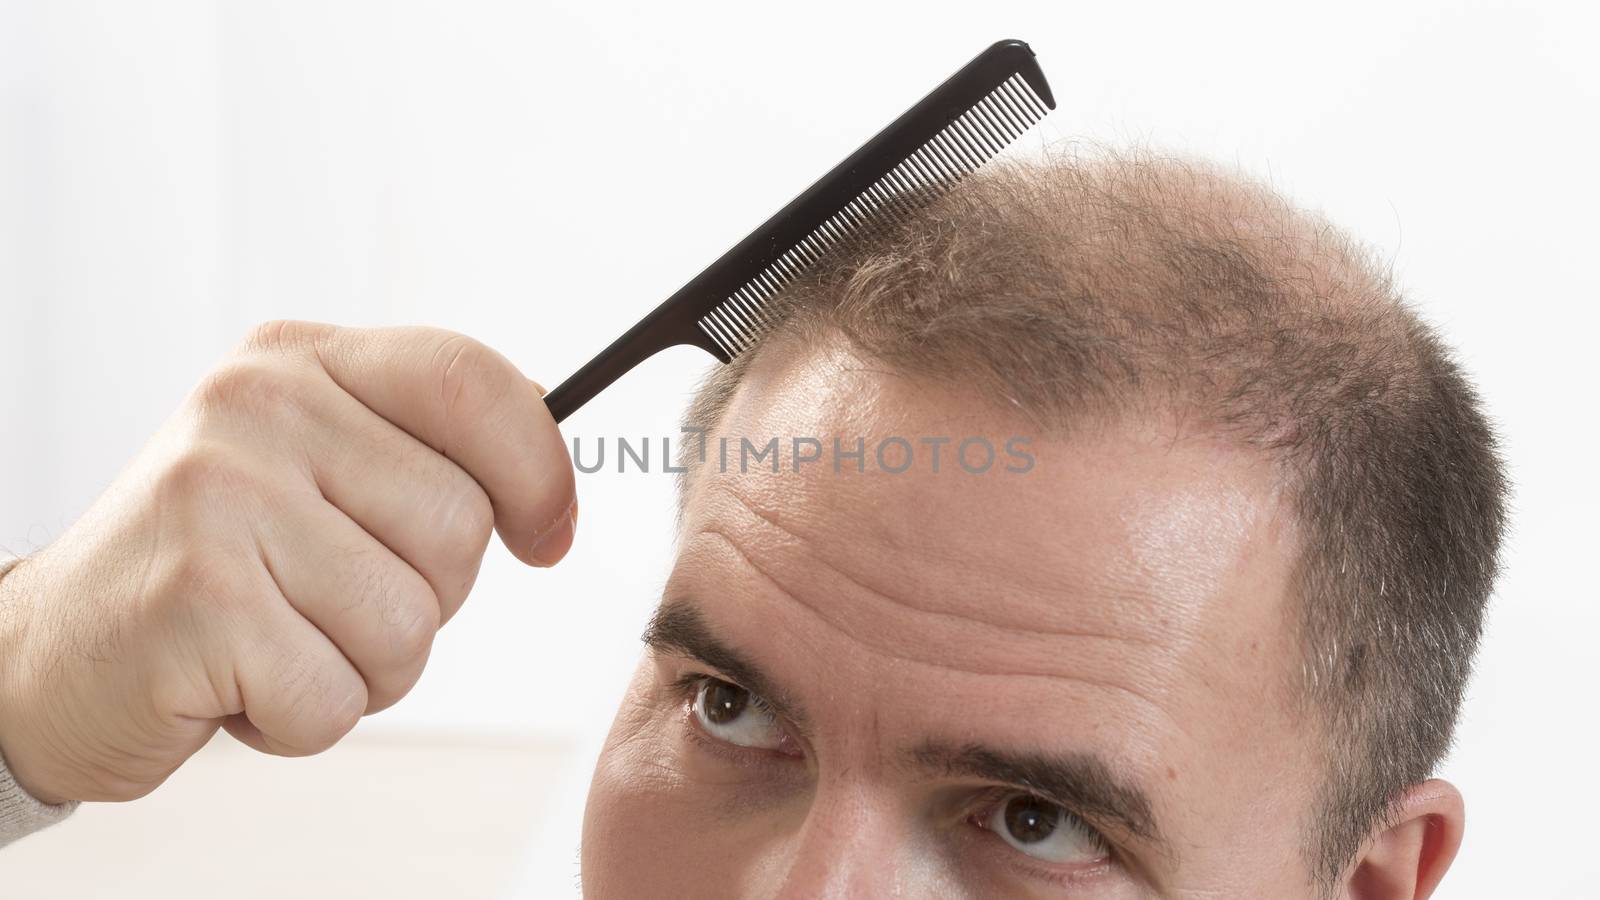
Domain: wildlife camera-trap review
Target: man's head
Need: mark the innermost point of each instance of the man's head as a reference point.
(1185, 608)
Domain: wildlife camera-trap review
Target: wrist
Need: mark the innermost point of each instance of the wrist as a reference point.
(13, 634)
(11, 613)
(22, 809)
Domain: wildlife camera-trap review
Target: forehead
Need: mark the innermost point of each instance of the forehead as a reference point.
(1137, 513)
(1127, 589)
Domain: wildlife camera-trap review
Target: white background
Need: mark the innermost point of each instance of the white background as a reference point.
(538, 175)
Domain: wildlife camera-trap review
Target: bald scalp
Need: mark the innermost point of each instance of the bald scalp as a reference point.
(1076, 289)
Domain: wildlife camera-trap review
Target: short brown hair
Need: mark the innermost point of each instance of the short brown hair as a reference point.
(1081, 286)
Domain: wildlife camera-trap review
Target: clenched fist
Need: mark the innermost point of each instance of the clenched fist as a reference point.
(278, 559)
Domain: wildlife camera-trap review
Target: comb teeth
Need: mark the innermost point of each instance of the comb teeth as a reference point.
(956, 151)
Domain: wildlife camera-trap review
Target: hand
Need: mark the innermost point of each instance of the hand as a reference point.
(279, 557)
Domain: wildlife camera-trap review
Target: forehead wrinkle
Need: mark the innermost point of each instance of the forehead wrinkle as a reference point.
(858, 582)
(882, 649)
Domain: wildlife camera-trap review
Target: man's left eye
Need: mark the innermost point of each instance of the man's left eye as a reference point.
(731, 713)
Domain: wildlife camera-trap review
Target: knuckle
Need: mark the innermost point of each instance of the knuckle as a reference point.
(408, 639)
(471, 376)
(468, 522)
(346, 710)
(281, 336)
(327, 706)
(249, 387)
(413, 624)
(459, 531)
(200, 473)
(401, 613)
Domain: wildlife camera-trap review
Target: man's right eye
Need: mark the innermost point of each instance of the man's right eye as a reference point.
(730, 713)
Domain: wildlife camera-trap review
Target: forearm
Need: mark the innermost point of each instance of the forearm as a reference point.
(20, 813)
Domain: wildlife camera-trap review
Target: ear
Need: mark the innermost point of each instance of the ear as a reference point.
(1406, 859)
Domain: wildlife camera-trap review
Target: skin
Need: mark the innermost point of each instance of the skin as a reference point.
(277, 560)
(1109, 630)
(1125, 601)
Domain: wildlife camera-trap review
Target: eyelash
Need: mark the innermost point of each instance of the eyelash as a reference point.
(685, 688)
(985, 804)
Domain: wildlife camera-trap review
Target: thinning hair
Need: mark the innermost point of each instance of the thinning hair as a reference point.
(1078, 286)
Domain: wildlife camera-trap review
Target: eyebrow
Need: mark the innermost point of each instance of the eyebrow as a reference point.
(678, 628)
(1080, 782)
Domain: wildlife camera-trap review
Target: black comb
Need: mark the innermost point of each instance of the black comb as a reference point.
(964, 123)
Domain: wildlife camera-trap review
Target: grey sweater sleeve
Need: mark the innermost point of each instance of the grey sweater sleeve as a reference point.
(20, 813)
